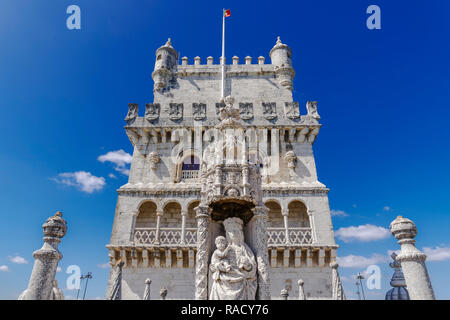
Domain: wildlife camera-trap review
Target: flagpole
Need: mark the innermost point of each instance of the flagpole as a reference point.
(223, 54)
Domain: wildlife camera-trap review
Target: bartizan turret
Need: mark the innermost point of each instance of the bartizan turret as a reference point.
(165, 66)
(281, 59)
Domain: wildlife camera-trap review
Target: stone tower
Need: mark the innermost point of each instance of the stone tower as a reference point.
(200, 159)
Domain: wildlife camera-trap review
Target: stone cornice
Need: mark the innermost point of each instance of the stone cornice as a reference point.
(195, 188)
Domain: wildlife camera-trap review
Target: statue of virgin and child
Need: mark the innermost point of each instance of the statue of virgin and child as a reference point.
(233, 265)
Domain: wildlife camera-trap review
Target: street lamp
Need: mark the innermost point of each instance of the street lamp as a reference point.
(360, 277)
(87, 277)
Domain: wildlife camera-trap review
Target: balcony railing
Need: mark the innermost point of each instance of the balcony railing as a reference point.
(167, 236)
(297, 236)
(172, 236)
(189, 175)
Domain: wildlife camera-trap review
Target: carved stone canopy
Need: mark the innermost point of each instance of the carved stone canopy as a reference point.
(225, 208)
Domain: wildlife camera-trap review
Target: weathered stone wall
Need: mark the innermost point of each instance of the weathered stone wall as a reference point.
(180, 282)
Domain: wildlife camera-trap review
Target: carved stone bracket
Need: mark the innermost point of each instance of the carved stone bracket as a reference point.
(291, 159)
(153, 157)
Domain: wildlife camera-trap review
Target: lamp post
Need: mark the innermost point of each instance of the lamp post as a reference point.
(87, 277)
(357, 290)
(360, 277)
(81, 283)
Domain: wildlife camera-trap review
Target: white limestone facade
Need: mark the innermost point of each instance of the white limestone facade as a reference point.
(155, 226)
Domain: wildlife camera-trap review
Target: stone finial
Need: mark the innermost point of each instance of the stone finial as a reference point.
(284, 294)
(403, 229)
(197, 61)
(235, 60)
(163, 293)
(222, 60)
(412, 260)
(41, 284)
(399, 291)
(209, 61)
(146, 296)
(301, 290)
(280, 44)
(55, 226)
(184, 61)
(168, 43)
(261, 60)
(248, 60)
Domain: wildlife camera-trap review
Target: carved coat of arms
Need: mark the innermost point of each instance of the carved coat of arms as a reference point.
(133, 109)
(269, 110)
(175, 111)
(246, 110)
(152, 111)
(291, 110)
(199, 111)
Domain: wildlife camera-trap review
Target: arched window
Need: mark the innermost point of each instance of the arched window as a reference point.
(298, 215)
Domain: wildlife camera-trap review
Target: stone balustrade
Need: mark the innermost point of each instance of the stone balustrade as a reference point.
(167, 236)
(297, 236)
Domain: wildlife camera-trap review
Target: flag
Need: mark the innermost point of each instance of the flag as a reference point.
(226, 13)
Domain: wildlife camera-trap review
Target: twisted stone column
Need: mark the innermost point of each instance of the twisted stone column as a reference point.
(261, 254)
(336, 285)
(201, 274)
(146, 295)
(412, 260)
(46, 260)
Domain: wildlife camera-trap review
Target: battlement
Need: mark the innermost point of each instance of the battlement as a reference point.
(169, 73)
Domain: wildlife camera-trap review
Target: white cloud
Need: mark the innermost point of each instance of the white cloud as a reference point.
(363, 233)
(352, 261)
(4, 268)
(58, 269)
(81, 179)
(437, 254)
(104, 265)
(112, 176)
(338, 213)
(17, 259)
(387, 208)
(119, 157)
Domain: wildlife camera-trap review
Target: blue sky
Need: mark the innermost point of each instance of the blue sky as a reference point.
(383, 97)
